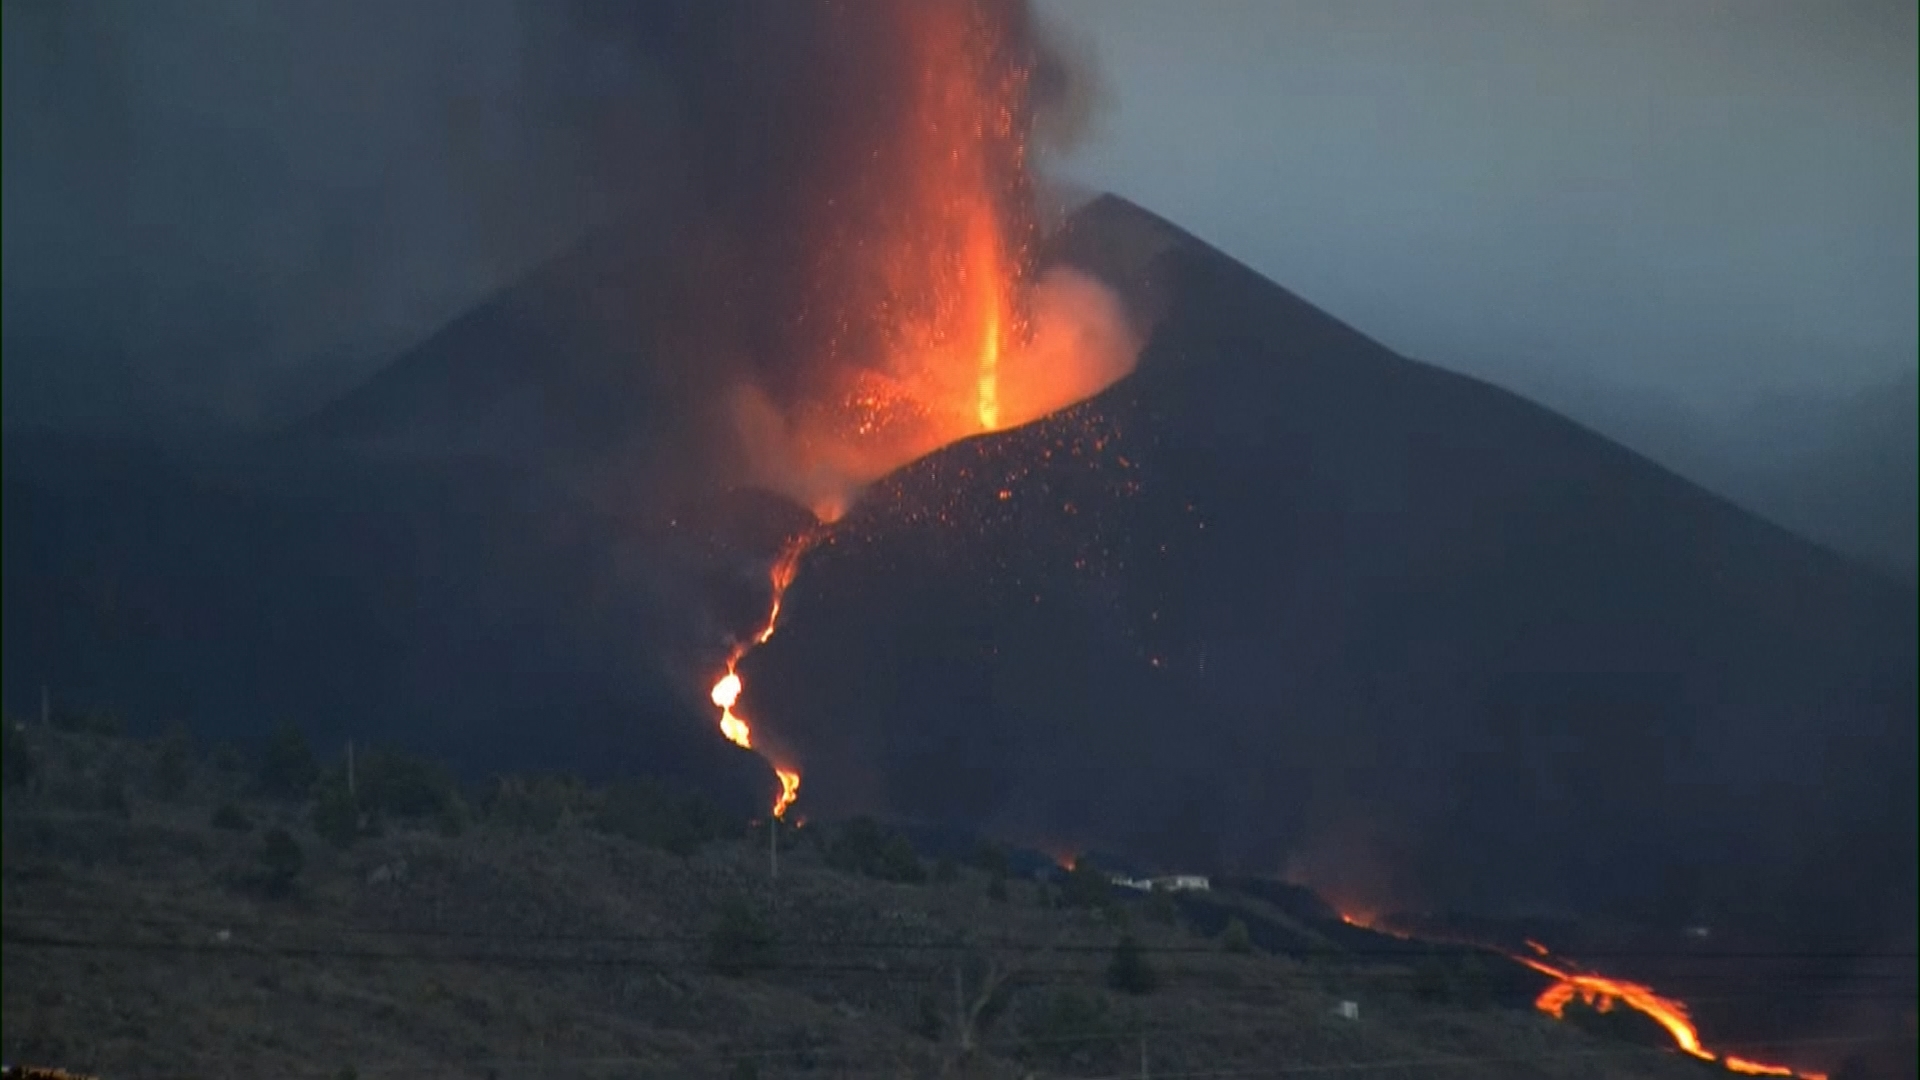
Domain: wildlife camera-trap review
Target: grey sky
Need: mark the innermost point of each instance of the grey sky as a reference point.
(225, 210)
(1712, 198)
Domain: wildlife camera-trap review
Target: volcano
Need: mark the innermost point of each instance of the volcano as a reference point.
(1280, 602)
(1290, 584)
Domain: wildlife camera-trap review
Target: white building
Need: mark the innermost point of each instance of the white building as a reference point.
(1182, 883)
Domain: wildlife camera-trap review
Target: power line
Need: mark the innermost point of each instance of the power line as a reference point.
(1412, 951)
(1043, 976)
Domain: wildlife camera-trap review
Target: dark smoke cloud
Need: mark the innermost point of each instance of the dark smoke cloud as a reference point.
(226, 213)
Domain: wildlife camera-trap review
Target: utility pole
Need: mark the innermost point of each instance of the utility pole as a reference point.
(352, 795)
(1144, 1074)
(960, 1028)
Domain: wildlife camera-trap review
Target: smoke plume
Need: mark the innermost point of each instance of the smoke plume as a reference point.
(884, 293)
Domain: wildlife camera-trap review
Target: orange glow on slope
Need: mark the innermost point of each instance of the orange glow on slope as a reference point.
(727, 689)
(1603, 993)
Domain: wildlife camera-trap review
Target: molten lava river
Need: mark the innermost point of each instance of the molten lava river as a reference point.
(1603, 993)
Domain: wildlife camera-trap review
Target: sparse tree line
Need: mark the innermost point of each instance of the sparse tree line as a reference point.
(282, 784)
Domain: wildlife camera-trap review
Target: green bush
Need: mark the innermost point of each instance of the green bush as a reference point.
(992, 858)
(111, 796)
(398, 785)
(287, 766)
(454, 816)
(281, 861)
(1075, 1030)
(1160, 908)
(1461, 980)
(336, 817)
(1086, 886)
(1128, 971)
(741, 941)
(227, 757)
(172, 768)
(86, 721)
(646, 814)
(536, 804)
(20, 765)
(230, 818)
(929, 1023)
(1235, 938)
(864, 846)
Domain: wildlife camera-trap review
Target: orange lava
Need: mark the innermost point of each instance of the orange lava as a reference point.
(1603, 993)
(923, 270)
(923, 321)
(727, 689)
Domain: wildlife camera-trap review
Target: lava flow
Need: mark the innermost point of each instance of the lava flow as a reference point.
(1602, 993)
(925, 321)
(726, 691)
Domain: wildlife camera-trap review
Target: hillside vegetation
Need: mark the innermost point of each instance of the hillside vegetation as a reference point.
(170, 913)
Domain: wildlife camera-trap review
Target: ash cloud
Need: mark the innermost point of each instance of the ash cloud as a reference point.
(225, 216)
(222, 214)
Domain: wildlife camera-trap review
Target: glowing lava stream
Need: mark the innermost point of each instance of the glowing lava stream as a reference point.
(726, 691)
(1601, 993)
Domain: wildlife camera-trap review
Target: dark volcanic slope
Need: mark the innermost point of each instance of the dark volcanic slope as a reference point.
(1281, 598)
(1286, 598)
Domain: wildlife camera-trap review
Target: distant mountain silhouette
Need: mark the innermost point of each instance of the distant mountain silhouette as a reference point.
(1838, 468)
(1280, 601)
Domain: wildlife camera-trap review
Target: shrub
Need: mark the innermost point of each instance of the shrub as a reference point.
(535, 803)
(336, 817)
(1459, 980)
(997, 888)
(864, 846)
(945, 872)
(396, 784)
(645, 814)
(740, 942)
(287, 766)
(1086, 886)
(111, 796)
(1128, 971)
(992, 858)
(929, 1023)
(20, 764)
(1235, 938)
(227, 757)
(172, 766)
(86, 721)
(454, 817)
(229, 817)
(281, 861)
(1074, 1030)
(1160, 908)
